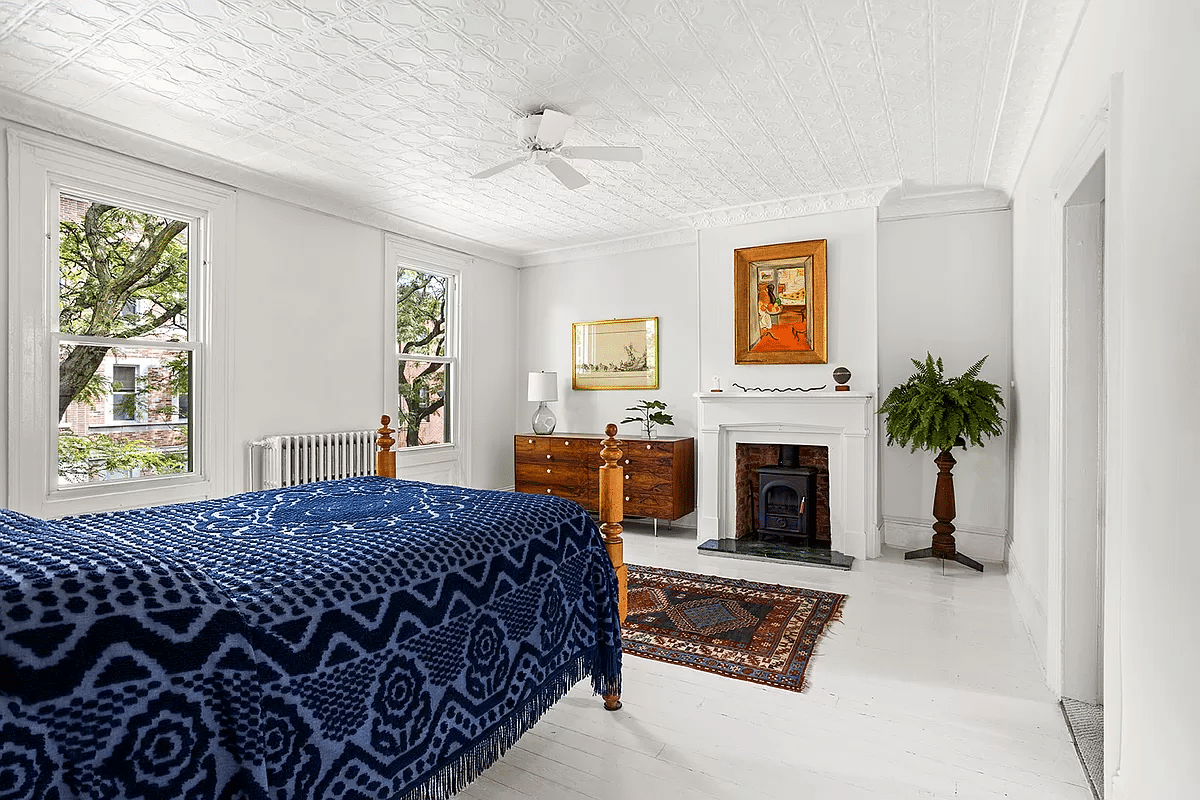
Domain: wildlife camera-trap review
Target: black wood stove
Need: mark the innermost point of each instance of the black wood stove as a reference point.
(787, 498)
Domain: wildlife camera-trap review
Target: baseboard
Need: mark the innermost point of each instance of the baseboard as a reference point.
(1030, 606)
(981, 544)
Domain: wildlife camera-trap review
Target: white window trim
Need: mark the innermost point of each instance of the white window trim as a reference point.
(39, 165)
(401, 251)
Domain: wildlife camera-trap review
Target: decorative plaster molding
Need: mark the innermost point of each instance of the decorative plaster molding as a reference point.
(629, 244)
(24, 110)
(908, 200)
(864, 197)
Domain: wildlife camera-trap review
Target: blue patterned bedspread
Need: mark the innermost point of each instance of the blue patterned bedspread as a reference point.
(363, 638)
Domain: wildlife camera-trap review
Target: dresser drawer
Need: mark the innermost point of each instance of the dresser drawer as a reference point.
(527, 447)
(552, 474)
(579, 450)
(649, 505)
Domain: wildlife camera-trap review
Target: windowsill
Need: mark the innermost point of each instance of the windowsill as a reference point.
(87, 498)
(427, 454)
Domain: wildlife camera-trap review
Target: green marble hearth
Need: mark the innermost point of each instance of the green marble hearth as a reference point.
(749, 548)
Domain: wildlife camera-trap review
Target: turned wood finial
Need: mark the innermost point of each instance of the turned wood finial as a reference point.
(385, 458)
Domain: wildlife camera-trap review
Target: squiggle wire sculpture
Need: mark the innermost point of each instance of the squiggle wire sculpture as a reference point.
(778, 389)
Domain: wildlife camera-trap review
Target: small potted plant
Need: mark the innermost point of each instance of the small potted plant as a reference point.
(934, 413)
(649, 413)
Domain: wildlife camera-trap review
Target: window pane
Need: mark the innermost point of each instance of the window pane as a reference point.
(143, 435)
(122, 273)
(421, 312)
(423, 415)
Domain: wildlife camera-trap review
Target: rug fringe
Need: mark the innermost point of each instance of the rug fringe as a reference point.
(826, 630)
(453, 777)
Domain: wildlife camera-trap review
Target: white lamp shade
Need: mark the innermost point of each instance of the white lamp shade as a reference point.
(543, 387)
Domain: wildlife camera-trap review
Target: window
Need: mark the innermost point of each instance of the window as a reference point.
(124, 402)
(116, 303)
(426, 357)
(123, 276)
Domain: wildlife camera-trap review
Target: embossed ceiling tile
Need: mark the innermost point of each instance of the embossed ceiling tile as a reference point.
(403, 18)
(211, 13)
(409, 54)
(1044, 37)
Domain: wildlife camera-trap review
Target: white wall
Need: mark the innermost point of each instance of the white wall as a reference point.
(307, 325)
(308, 321)
(851, 302)
(659, 282)
(1159, 437)
(945, 287)
(4, 342)
(1081, 91)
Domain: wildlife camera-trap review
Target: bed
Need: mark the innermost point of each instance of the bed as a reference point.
(360, 638)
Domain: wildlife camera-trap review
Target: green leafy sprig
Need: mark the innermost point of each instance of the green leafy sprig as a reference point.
(649, 413)
(930, 412)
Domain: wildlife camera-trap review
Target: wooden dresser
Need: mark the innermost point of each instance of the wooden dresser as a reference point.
(660, 474)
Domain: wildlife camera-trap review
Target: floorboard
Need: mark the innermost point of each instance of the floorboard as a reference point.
(927, 688)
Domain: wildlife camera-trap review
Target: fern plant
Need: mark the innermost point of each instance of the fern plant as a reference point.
(930, 412)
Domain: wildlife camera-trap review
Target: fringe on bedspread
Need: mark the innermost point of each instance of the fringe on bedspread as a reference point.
(455, 776)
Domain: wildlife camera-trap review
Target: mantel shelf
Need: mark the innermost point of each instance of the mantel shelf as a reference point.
(738, 396)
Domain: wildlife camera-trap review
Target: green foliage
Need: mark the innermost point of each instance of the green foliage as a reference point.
(931, 412)
(649, 413)
(90, 458)
(421, 323)
(122, 274)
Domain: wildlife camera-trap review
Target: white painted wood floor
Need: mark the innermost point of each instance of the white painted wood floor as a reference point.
(928, 688)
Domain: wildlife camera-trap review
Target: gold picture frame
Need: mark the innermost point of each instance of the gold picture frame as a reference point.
(779, 304)
(615, 354)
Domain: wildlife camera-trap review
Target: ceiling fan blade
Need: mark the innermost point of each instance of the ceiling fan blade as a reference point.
(602, 153)
(553, 128)
(566, 174)
(487, 173)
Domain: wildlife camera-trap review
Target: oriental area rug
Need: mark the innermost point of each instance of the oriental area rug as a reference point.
(757, 632)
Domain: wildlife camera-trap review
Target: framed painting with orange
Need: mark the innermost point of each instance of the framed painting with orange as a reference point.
(779, 304)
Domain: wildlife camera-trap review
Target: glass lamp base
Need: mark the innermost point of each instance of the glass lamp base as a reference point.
(544, 420)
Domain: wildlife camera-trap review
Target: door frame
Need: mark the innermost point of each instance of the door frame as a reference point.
(1101, 138)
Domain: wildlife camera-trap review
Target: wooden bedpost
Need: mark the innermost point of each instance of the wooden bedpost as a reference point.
(612, 511)
(385, 459)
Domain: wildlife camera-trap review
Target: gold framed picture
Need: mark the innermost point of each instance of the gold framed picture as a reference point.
(615, 354)
(779, 304)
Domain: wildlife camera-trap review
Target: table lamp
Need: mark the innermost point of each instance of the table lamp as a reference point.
(543, 388)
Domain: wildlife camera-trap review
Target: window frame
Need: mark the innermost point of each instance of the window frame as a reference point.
(43, 167)
(403, 253)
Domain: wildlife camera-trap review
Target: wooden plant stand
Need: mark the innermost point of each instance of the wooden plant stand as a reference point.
(943, 511)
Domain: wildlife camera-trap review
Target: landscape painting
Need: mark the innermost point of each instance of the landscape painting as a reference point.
(615, 354)
(779, 304)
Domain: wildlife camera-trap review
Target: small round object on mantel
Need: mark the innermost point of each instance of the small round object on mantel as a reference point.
(842, 376)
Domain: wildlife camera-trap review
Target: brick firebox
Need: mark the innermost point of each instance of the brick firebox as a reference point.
(751, 456)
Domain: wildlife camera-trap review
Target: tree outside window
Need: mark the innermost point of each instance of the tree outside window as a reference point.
(123, 342)
(425, 345)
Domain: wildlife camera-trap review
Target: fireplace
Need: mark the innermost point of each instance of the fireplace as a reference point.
(839, 427)
(783, 493)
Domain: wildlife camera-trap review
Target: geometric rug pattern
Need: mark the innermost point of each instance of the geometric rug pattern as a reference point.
(758, 632)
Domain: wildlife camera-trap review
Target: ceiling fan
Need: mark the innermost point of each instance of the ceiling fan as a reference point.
(541, 136)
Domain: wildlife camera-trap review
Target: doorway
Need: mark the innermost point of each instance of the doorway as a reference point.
(1084, 470)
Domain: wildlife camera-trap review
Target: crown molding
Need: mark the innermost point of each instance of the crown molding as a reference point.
(48, 117)
(910, 200)
(806, 205)
(645, 241)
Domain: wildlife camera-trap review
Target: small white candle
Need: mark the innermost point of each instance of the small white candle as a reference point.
(716, 383)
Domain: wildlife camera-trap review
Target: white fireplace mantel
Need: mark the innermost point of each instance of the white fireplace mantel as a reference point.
(844, 422)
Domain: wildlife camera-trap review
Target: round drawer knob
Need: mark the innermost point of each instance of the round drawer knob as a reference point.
(547, 457)
(531, 441)
(627, 461)
(647, 447)
(547, 470)
(626, 477)
(566, 443)
(547, 491)
(626, 499)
